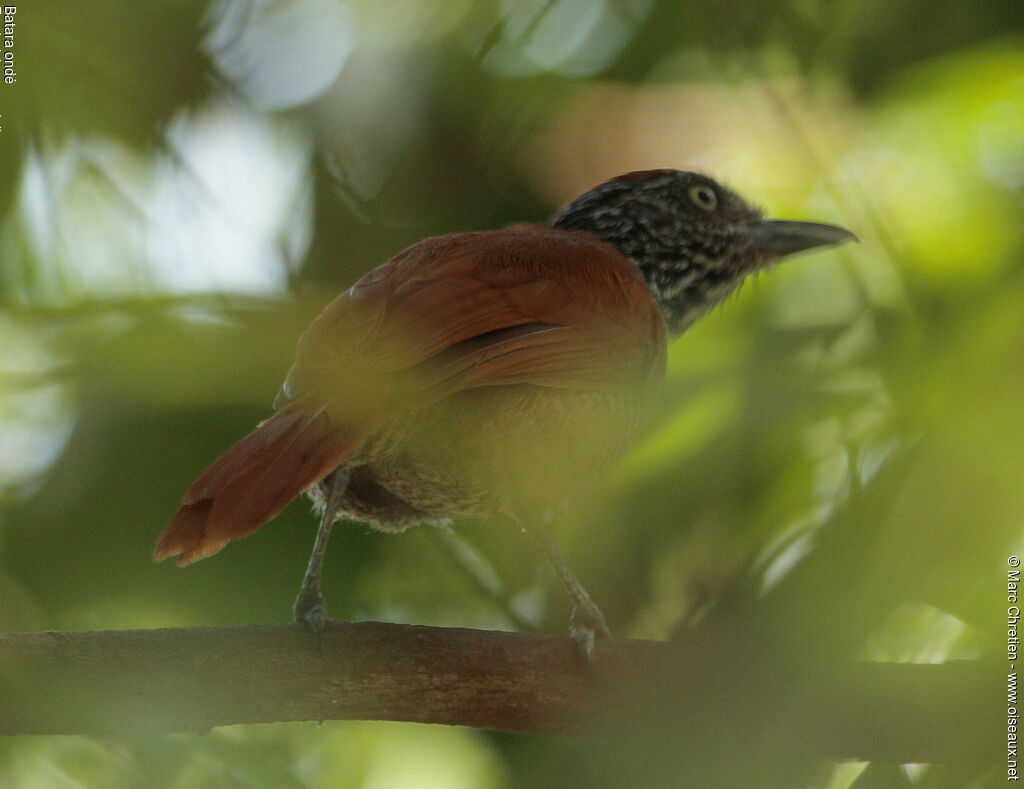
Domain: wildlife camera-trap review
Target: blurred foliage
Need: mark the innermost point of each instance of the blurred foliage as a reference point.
(183, 185)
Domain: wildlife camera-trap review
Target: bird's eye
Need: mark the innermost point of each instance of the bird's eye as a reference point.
(704, 197)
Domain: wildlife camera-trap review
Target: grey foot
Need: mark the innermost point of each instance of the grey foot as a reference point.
(310, 609)
(586, 626)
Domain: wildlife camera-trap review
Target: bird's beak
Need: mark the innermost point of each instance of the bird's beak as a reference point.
(776, 239)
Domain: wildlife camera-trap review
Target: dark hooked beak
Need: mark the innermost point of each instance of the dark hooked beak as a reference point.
(777, 239)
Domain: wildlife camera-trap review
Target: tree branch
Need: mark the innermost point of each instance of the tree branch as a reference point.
(195, 678)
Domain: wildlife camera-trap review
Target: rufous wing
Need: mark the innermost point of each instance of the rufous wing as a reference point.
(542, 306)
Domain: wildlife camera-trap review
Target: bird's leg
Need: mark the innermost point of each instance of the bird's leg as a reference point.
(309, 605)
(587, 621)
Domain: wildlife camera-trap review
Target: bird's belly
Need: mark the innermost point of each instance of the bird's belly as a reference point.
(493, 450)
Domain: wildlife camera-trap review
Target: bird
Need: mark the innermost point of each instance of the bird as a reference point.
(490, 373)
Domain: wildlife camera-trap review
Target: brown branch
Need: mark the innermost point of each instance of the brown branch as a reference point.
(196, 678)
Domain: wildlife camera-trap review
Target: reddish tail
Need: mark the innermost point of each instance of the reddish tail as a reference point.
(254, 480)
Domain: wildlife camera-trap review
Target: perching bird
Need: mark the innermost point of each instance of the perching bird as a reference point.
(498, 372)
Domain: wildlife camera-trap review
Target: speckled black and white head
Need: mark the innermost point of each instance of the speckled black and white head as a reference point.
(693, 240)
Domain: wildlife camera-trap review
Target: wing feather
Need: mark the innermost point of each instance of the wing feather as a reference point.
(547, 307)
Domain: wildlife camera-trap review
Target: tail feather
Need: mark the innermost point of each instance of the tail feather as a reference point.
(254, 480)
(270, 433)
(262, 490)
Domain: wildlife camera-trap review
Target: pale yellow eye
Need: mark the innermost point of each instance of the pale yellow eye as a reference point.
(704, 197)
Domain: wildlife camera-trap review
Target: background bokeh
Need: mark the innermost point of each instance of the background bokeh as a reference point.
(183, 185)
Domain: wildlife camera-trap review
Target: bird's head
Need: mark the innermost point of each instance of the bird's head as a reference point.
(693, 240)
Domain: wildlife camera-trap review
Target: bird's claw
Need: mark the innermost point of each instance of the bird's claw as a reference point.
(311, 611)
(586, 626)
